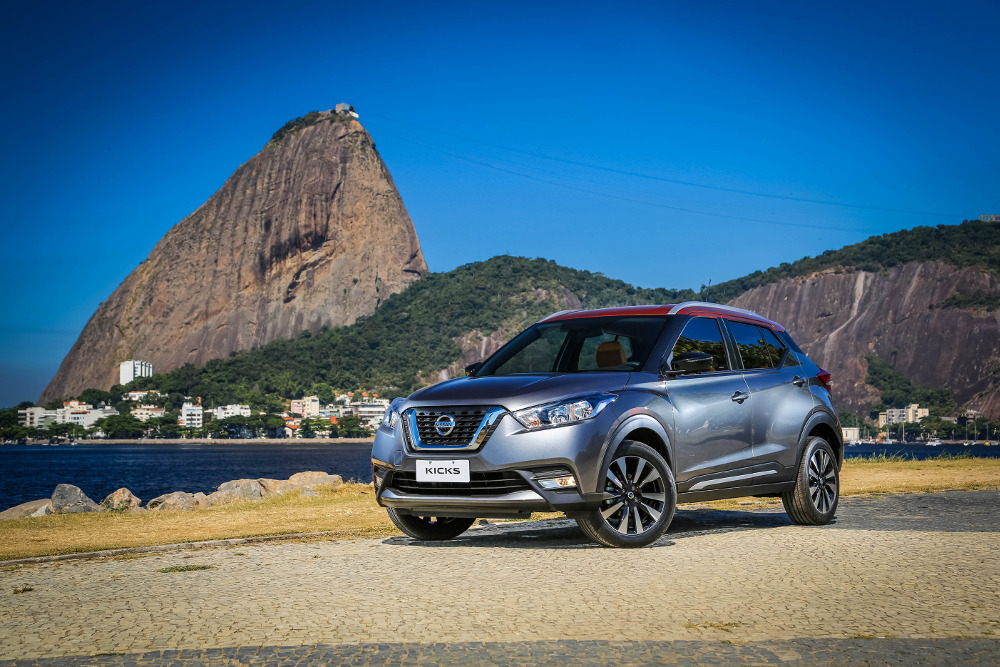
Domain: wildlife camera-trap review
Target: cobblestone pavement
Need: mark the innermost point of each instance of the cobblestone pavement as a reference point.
(903, 579)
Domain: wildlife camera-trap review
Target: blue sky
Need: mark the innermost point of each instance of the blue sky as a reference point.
(667, 144)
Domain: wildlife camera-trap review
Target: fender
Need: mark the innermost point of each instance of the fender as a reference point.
(632, 423)
(820, 416)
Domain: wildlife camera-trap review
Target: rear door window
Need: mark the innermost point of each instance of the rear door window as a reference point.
(750, 342)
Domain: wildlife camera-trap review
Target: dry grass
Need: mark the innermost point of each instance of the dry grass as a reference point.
(350, 511)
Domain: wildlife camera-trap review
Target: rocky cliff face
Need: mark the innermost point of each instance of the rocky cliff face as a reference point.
(840, 316)
(309, 232)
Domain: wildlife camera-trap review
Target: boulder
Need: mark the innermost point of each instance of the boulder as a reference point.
(178, 500)
(246, 489)
(121, 500)
(69, 499)
(272, 487)
(312, 478)
(309, 493)
(32, 508)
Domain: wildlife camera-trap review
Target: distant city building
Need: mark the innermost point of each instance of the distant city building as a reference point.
(308, 406)
(234, 410)
(191, 415)
(132, 369)
(139, 395)
(985, 218)
(147, 412)
(911, 413)
(851, 433)
(370, 414)
(72, 412)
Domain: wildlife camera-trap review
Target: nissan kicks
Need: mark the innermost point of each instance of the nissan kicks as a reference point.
(614, 416)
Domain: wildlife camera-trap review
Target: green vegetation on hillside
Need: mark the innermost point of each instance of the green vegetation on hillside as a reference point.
(973, 243)
(981, 302)
(898, 392)
(411, 334)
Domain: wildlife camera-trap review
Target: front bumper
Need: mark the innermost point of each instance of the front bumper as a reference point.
(506, 471)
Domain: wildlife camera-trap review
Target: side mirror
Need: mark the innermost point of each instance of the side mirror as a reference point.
(689, 362)
(471, 369)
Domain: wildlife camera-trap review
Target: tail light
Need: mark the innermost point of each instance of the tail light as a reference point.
(825, 378)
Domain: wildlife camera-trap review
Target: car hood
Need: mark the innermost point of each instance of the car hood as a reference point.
(515, 392)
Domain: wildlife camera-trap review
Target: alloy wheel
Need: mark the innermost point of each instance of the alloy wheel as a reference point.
(822, 480)
(634, 495)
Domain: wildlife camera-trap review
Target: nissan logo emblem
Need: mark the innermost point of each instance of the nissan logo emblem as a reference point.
(444, 425)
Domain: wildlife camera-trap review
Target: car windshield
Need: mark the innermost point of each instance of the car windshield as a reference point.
(582, 345)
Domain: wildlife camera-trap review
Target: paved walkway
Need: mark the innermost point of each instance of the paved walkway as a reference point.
(899, 579)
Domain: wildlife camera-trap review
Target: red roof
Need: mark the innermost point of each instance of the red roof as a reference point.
(699, 308)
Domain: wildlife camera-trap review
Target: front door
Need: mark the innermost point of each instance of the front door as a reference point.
(712, 437)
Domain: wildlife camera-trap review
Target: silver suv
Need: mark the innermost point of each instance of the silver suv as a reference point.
(614, 416)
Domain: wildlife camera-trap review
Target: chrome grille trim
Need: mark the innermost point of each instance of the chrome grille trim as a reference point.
(473, 427)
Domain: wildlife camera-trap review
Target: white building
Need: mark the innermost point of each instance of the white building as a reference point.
(233, 410)
(132, 369)
(72, 412)
(911, 413)
(191, 415)
(307, 406)
(35, 417)
(370, 414)
(147, 412)
(851, 434)
(139, 395)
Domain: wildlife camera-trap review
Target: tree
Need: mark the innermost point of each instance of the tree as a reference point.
(306, 429)
(350, 426)
(96, 397)
(121, 427)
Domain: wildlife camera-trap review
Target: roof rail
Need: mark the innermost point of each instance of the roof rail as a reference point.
(689, 307)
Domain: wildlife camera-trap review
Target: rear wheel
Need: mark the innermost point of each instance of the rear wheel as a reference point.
(639, 499)
(813, 500)
(429, 528)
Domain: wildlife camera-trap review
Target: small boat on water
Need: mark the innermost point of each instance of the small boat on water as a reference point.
(934, 443)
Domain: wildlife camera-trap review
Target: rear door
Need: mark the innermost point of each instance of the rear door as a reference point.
(780, 400)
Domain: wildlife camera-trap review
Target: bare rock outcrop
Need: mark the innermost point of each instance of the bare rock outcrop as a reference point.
(839, 317)
(310, 232)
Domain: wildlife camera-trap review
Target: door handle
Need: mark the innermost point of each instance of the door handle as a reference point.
(798, 381)
(741, 396)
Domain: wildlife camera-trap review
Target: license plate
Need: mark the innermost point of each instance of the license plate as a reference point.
(443, 471)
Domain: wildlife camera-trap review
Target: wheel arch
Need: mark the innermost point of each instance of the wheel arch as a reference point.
(827, 427)
(641, 428)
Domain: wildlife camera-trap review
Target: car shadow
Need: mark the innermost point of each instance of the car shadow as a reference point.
(565, 534)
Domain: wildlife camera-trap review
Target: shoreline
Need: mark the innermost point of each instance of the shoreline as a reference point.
(203, 441)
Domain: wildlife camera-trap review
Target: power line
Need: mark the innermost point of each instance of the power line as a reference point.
(674, 181)
(488, 165)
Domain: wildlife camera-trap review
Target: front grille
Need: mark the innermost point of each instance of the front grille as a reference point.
(467, 423)
(480, 484)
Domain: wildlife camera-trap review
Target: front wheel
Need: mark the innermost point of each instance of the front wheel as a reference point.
(429, 528)
(813, 500)
(639, 499)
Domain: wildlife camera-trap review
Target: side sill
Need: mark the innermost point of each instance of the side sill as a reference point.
(735, 492)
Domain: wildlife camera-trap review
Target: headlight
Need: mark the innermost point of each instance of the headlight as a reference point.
(569, 411)
(392, 414)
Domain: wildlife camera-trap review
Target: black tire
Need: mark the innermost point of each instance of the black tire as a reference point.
(432, 529)
(813, 501)
(640, 497)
